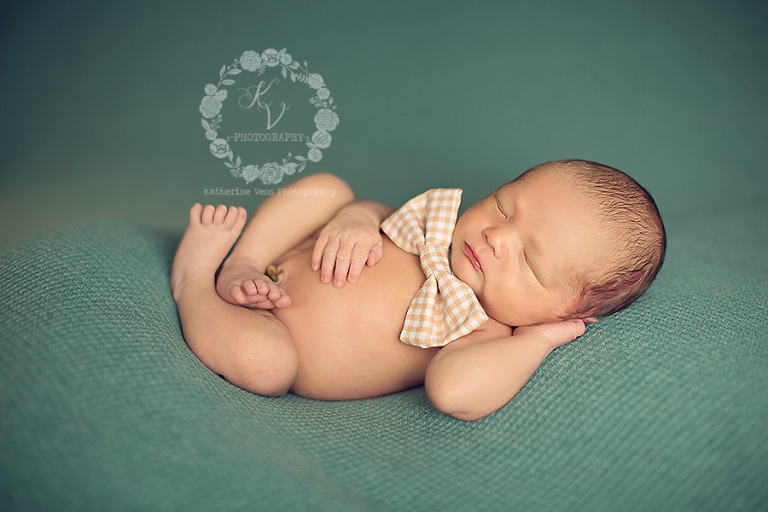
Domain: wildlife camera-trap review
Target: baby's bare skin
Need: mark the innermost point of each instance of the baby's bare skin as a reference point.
(347, 337)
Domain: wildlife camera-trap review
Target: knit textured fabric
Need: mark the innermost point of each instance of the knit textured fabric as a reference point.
(663, 406)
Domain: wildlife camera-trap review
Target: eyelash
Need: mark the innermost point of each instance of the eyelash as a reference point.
(501, 210)
(530, 268)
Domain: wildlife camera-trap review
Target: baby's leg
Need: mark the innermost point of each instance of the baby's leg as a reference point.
(281, 222)
(252, 349)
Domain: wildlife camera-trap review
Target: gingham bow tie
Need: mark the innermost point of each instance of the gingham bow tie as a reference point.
(445, 308)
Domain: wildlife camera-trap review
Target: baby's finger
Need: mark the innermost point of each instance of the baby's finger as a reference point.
(359, 257)
(317, 252)
(342, 267)
(328, 261)
(580, 328)
(375, 255)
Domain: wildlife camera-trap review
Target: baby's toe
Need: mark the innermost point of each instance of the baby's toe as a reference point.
(237, 294)
(283, 302)
(195, 214)
(242, 215)
(232, 217)
(249, 287)
(274, 292)
(220, 214)
(207, 215)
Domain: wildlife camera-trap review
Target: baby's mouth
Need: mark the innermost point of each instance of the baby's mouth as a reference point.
(472, 257)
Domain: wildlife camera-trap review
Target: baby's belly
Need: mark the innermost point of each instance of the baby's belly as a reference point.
(348, 338)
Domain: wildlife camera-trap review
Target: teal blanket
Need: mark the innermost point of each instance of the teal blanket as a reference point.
(661, 407)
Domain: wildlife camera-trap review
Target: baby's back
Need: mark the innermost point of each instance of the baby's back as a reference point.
(348, 338)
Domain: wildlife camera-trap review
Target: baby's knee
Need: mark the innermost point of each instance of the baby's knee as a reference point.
(268, 369)
(272, 377)
(270, 373)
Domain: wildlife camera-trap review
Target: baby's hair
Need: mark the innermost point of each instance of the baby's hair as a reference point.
(633, 221)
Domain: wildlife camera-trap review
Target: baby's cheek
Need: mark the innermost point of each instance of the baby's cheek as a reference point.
(501, 311)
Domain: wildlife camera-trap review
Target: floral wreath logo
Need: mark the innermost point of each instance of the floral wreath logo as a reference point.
(326, 120)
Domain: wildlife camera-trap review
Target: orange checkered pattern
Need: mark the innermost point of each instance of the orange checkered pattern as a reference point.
(444, 308)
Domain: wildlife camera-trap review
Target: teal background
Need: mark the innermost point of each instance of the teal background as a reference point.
(100, 100)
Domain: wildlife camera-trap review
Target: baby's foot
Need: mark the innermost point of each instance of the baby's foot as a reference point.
(244, 285)
(261, 293)
(210, 235)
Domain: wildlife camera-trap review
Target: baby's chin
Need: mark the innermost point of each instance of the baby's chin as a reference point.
(467, 274)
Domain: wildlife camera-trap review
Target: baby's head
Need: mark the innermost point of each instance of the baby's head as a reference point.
(567, 239)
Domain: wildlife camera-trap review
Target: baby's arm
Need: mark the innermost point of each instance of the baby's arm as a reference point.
(476, 375)
(280, 223)
(350, 241)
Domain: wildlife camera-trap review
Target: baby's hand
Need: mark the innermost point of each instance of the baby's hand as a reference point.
(556, 334)
(348, 242)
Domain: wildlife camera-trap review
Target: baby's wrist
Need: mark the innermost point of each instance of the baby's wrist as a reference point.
(533, 336)
(376, 212)
(359, 211)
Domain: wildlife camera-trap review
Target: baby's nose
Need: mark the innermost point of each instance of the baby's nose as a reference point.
(503, 241)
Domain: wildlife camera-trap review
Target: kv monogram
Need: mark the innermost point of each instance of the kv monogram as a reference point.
(255, 99)
(261, 98)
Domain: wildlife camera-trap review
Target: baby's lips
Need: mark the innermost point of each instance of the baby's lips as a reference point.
(472, 257)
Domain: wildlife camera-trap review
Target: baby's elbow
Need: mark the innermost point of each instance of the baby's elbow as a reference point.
(450, 399)
(334, 186)
(467, 416)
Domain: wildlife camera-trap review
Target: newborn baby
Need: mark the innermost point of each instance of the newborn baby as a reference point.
(335, 299)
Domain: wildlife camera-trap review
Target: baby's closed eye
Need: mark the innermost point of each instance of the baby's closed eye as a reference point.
(500, 207)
